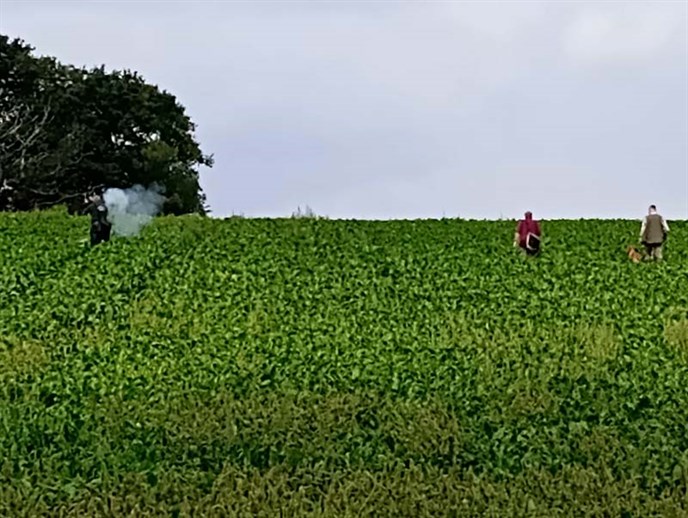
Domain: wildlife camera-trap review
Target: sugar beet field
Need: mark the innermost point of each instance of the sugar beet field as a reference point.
(304, 367)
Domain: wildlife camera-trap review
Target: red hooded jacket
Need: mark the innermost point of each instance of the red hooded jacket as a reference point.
(525, 227)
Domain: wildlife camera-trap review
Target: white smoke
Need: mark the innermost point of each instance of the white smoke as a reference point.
(129, 210)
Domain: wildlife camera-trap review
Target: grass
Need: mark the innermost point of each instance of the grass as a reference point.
(340, 368)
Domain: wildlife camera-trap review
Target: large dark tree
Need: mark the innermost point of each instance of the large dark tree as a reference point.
(66, 130)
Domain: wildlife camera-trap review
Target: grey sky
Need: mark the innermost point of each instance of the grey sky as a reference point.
(407, 109)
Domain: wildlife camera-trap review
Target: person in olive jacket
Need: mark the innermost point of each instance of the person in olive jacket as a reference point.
(653, 233)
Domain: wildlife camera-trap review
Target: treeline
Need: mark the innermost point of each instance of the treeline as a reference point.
(66, 130)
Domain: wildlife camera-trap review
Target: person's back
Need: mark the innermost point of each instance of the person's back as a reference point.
(654, 231)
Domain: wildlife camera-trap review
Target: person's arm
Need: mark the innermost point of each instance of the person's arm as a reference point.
(517, 234)
(665, 225)
(642, 228)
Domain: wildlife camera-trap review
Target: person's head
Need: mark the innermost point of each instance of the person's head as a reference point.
(529, 216)
(96, 196)
(652, 209)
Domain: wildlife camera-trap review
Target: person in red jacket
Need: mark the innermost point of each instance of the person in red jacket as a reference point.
(528, 235)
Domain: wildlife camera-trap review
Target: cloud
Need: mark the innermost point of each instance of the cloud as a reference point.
(405, 109)
(497, 21)
(623, 33)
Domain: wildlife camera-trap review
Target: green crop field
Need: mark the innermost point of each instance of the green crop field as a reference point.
(345, 368)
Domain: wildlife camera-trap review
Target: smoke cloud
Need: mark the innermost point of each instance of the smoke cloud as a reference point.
(129, 210)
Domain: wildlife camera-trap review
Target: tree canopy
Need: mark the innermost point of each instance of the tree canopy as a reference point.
(66, 130)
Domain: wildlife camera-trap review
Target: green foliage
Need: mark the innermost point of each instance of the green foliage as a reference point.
(65, 130)
(344, 368)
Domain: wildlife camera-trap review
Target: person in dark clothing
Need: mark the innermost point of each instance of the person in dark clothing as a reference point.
(653, 233)
(100, 226)
(528, 235)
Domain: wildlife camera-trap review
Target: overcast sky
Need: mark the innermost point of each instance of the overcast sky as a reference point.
(407, 109)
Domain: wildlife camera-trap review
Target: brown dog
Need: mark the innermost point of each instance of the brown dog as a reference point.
(633, 254)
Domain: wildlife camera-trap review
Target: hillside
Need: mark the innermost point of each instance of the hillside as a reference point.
(343, 368)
